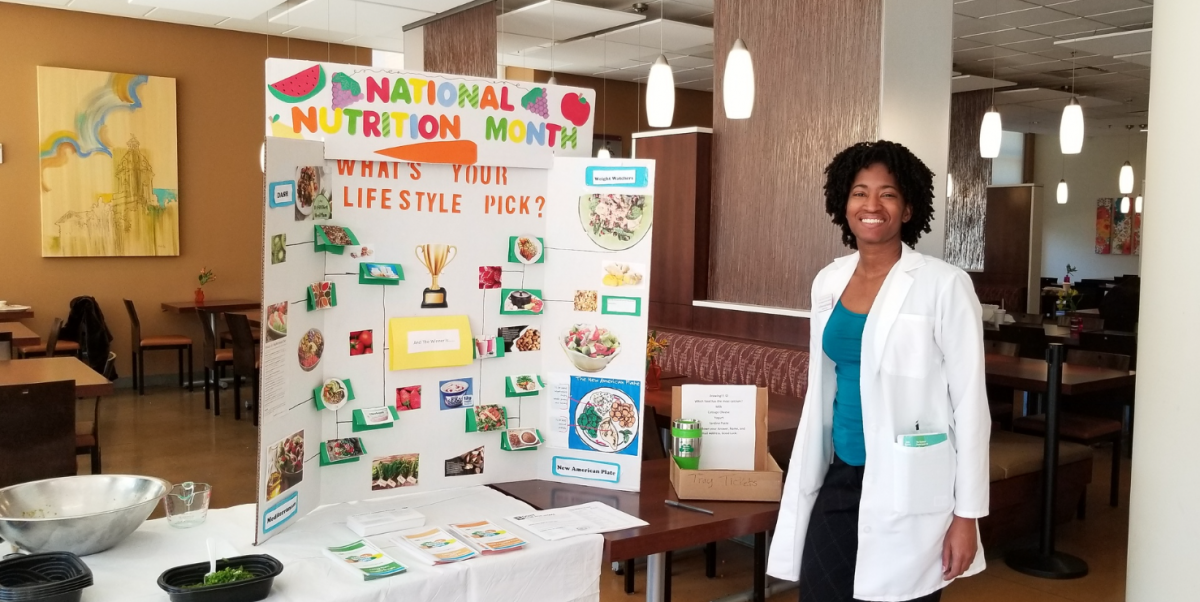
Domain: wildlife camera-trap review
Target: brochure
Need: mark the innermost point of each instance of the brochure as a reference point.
(488, 537)
(561, 523)
(364, 560)
(433, 545)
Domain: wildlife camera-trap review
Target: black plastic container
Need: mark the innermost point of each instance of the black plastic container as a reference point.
(264, 568)
(46, 577)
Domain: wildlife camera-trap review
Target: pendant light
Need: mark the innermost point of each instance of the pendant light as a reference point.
(949, 185)
(990, 132)
(1125, 178)
(1137, 204)
(604, 154)
(737, 89)
(1061, 193)
(1070, 129)
(660, 89)
(1125, 204)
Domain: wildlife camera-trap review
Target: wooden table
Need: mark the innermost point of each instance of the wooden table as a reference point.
(21, 334)
(215, 305)
(88, 382)
(15, 316)
(669, 528)
(1026, 374)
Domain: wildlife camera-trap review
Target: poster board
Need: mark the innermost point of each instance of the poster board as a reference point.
(442, 295)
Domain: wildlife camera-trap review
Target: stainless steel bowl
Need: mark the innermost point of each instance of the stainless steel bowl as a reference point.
(84, 514)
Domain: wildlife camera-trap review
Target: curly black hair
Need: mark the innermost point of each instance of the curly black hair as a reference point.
(912, 176)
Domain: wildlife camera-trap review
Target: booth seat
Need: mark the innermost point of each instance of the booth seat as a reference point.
(1012, 298)
(1016, 460)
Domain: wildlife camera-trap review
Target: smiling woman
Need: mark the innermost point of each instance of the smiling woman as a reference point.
(900, 334)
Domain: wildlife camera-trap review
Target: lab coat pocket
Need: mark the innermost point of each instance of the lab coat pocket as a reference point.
(924, 478)
(910, 346)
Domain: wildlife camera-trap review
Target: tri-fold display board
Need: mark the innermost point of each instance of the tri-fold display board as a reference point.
(471, 314)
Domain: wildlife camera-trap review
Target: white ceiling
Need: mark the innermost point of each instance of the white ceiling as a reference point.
(1030, 43)
(1022, 43)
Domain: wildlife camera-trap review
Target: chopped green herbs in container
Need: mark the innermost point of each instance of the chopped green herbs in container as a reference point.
(223, 576)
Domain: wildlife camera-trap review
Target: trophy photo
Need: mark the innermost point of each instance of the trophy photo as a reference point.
(435, 258)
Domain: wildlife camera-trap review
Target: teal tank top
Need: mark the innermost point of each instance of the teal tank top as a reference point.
(842, 342)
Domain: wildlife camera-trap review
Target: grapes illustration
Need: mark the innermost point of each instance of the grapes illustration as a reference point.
(346, 91)
(535, 101)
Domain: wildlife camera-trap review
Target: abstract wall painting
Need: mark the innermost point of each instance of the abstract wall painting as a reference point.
(109, 164)
(1117, 233)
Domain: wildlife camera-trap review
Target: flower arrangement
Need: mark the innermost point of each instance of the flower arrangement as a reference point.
(1068, 299)
(1070, 270)
(655, 345)
(206, 276)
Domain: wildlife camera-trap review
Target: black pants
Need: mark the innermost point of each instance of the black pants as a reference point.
(831, 546)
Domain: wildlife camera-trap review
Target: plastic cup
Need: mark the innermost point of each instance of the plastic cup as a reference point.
(187, 504)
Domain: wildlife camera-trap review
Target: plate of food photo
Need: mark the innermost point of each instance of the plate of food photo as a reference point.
(606, 420)
(528, 249)
(615, 221)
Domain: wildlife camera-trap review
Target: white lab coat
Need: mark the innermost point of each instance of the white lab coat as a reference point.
(922, 360)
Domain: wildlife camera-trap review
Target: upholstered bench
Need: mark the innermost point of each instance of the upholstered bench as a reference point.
(781, 370)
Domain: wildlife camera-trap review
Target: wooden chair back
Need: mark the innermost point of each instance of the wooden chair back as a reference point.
(1111, 342)
(135, 327)
(6, 348)
(1098, 359)
(1031, 342)
(652, 447)
(1022, 318)
(1000, 348)
(37, 435)
(244, 355)
(52, 338)
(209, 353)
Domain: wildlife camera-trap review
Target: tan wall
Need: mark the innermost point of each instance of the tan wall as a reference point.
(219, 78)
(623, 112)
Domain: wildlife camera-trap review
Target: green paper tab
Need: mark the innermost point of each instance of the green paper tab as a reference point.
(323, 244)
(540, 251)
(380, 273)
(621, 306)
(512, 390)
(317, 397)
(359, 423)
(521, 301)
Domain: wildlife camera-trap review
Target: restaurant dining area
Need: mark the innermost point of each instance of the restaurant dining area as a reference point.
(597, 300)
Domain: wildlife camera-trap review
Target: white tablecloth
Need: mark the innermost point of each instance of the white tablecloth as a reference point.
(566, 570)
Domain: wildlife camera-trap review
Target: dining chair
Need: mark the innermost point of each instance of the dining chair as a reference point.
(215, 360)
(245, 362)
(52, 346)
(87, 432)
(227, 337)
(37, 435)
(1000, 404)
(1085, 428)
(167, 342)
(6, 348)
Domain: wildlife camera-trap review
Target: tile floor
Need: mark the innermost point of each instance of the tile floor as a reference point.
(169, 434)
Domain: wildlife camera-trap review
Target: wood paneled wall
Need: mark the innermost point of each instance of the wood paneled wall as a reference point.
(967, 202)
(817, 66)
(463, 43)
(1009, 232)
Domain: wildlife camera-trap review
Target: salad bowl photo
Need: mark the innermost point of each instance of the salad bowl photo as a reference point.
(589, 347)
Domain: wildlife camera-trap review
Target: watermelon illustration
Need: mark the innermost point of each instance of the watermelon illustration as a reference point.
(299, 87)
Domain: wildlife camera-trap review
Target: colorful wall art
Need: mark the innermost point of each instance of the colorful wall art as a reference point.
(1117, 233)
(109, 164)
(460, 283)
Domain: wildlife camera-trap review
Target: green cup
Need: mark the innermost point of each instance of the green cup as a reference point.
(685, 443)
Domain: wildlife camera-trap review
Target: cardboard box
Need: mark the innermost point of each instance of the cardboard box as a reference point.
(764, 484)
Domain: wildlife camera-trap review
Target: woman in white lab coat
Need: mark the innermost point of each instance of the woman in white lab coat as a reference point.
(896, 349)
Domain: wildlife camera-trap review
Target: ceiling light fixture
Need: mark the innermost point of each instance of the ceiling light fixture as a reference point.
(991, 131)
(1070, 129)
(289, 9)
(737, 89)
(1137, 204)
(1124, 204)
(553, 81)
(1062, 193)
(1125, 178)
(660, 89)
(949, 185)
(604, 154)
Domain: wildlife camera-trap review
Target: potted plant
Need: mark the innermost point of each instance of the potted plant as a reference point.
(655, 344)
(206, 276)
(1068, 302)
